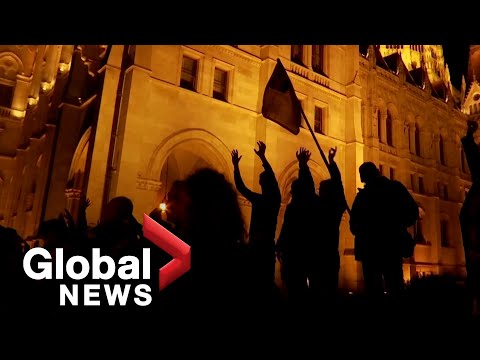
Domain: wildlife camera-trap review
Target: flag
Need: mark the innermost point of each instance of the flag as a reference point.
(280, 103)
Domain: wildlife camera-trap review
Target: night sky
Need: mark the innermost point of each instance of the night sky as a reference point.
(456, 56)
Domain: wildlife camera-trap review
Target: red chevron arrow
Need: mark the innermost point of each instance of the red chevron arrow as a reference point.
(171, 244)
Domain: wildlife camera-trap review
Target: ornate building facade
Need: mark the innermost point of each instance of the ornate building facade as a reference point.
(189, 106)
(162, 111)
(49, 97)
(412, 130)
(29, 79)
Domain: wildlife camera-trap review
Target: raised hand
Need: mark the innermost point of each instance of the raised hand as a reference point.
(84, 202)
(331, 153)
(303, 155)
(235, 158)
(261, 149)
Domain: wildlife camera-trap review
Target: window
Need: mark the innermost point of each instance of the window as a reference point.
(417, 140)
(220, 84)
(445, 191)
(379, 125)
(389, 129)
(421, 185)
(297, 54)
(318, 121)
(392, 174)
(317, 58)
(380, 168)
(444, 232)
(6, 95)
(439, 189)
(188, 79)
(442, 150)
(412, 182)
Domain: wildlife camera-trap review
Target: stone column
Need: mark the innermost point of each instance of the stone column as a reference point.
(103, 135)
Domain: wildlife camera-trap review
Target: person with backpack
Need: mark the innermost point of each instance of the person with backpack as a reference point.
(470, 219)
(381, 213)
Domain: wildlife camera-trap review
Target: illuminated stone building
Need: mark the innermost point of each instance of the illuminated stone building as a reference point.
(414, 121)
(163, 111)
(29, 79)
(48, 102)
(184, 107)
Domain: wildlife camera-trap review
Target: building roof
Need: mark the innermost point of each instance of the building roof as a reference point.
(416, 77)
(393, 61)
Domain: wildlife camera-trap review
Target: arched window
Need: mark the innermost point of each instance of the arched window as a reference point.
(389, 128)
(6, 95)
(417, 140)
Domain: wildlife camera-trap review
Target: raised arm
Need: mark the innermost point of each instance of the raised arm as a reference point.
(304, 174)
(270, 187)
(333, 167)
(241, 187)
(337, 178)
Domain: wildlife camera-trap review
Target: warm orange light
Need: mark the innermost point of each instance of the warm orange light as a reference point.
(18, 114)
(62, 67)
(32, 101)
(163, 206)
(46, 86)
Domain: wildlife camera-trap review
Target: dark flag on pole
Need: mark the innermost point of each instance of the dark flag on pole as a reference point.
(280, 103)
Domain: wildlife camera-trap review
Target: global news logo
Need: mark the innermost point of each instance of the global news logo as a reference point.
(130, 268)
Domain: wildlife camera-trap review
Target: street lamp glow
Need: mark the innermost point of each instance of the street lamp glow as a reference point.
(163, 206)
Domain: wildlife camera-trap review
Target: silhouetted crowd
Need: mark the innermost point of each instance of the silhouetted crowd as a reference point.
(233, 268)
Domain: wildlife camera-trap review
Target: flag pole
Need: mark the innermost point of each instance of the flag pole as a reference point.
(320, 149)
(315, 138)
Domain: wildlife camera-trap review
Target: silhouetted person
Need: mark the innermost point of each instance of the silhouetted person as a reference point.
(118, 229)
(470, 218)
(217, 284)
(177, 205)
(158, 257)
(15, 284)
(332, 205)
(157, 215)
(296, 243)
(263, 221)
(119, 234)
(380, 215)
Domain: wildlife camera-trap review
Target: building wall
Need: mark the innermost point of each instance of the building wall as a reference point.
(162, 120)
(75, 114)
(165, 131)
(388, 94)
(26, 137)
